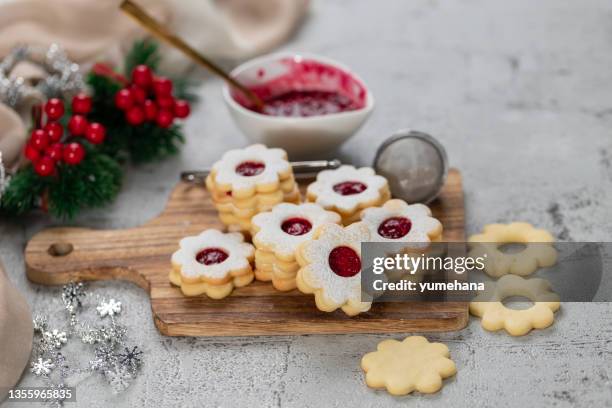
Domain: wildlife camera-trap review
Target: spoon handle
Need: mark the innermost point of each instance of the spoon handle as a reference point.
(301, 169)
(161, 32)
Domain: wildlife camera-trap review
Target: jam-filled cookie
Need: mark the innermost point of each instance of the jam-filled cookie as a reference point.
(248, 181)
(330, 268)
(278, 233)
(212, 263)
(348, 190)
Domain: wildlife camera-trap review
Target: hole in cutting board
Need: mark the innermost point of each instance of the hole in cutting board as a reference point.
(60, 249)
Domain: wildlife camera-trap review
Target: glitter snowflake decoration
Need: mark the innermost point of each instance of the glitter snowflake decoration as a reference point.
(55, 338)
(119, 378)
(105, 357)
(40, 323)
(41, 367)
(72, 294)
(109, 308)
(131, 358)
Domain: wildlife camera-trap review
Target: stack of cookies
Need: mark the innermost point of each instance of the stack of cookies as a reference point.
(212, 263)
(248, 181)
(277, 235)
(347, 191)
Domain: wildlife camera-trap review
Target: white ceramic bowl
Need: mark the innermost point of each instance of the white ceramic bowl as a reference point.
(299, 136)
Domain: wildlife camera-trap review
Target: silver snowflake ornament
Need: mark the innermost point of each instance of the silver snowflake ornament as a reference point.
(55, 338)
(109, 308)
(41, 367)
(40, 323)
(119, 378)
(131, 358)
(72, 294)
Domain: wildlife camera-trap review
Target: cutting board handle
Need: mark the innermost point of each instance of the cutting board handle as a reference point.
(60, 255)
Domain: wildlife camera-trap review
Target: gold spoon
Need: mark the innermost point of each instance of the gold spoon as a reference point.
(161, 32)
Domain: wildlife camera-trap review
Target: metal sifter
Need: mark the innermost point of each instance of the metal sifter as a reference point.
(414, 163)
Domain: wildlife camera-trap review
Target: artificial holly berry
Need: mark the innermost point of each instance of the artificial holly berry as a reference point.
(73, 153)
(139, 95)
(39, 140)
(54, 108)
(165, 102)
(44, 167)
(77, 125)
(123, 99)
(164, 118)
(54, 131)
(95, 133)
(181, 108)
(162, 86)
(81, 104)
(135, 116)
(54, 152)
(31, 153)
(150, 110)
(142, 76)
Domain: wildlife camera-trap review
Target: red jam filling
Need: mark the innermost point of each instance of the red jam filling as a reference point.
(250, 168)
(296, 226)
(305, 88)
(344, 261)
(394, 227)
(349, 188)
(307, 103)
(211, 256)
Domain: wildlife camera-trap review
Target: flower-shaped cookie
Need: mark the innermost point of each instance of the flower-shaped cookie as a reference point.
(539, 251)
(331, 267)
(414, 364)
(347, 189)
(254, 169)
(495, 315)
(396, 221)
(212, 263)
(281, 230)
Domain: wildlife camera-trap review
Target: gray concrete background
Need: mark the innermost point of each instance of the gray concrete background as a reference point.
(520, 94)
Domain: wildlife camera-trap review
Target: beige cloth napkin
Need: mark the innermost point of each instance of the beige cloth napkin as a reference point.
(89, 29)
(15, 334)
(13, 135)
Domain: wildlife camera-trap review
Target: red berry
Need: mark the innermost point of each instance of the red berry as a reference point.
(44, 167)
(162, 86)
(73, 153)
(123, 99)
(77, 125)
(54, 152)
(31, 153)
(81, 103)
(135, 116)
(150, 109)
(142, 76)
(181, 108)
(139, 95)
(54, 108)
(54, 131)
(165, 102)
(164, 118)
(95, 133)
(39, 140)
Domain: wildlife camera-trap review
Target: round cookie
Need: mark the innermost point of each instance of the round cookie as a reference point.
(496, 316)
(330, 267)
(348, 190)
(413, 364)
(539, 251)
(212, 263)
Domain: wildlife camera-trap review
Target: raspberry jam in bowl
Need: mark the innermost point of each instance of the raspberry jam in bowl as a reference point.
(311, 104)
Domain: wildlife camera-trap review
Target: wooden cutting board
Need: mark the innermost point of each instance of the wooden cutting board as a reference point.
(142, 255)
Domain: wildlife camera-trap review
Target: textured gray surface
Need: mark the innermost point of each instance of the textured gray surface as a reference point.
(519, 92)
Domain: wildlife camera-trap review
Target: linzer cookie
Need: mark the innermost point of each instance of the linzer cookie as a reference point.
(248, 181)
(347, 190)
(278, 233)
(330, 267)
(212, 263)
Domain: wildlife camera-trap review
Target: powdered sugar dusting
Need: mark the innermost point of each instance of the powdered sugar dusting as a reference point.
(233, 243)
